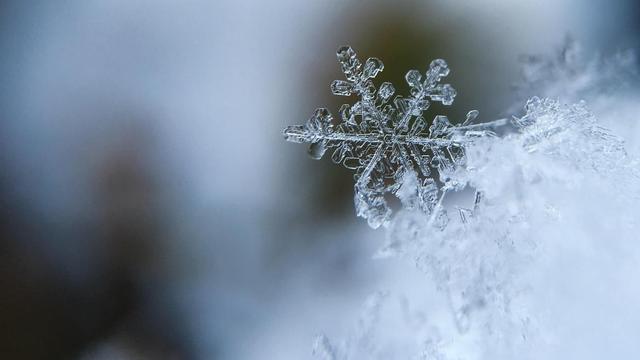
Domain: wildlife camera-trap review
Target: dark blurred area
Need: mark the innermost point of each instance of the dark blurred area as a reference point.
(51, 309)
(149, 206)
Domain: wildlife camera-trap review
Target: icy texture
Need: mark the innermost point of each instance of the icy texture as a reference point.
(386, 141)
(569, 132)
(610, 83)
(476, 258)
(483, 261)
(557, 182)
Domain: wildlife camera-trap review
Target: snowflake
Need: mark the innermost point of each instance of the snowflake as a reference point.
(386, 141)
(554, 168)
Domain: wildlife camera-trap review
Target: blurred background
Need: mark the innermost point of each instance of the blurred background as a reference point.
(149, 206)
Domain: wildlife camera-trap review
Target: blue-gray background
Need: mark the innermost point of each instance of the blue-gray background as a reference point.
(149, 207)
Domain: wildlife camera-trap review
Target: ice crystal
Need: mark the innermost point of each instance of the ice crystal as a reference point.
(534, 186)
(386, 141)
(569, 132)
(481, 262)
(480, 259)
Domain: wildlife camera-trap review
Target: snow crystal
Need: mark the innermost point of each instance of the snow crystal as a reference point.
(534, 187)
(387, 141)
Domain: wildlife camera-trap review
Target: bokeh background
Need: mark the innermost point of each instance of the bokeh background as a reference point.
(149, 206)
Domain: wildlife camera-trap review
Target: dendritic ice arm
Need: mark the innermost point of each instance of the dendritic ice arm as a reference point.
(384, 140)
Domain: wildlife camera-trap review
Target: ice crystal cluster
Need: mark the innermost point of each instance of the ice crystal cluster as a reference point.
(386, 139)
(556, 174)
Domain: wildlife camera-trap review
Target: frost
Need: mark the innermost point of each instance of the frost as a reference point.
(481, 261)
(386, 141)
(556, 173)
(570, 132)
